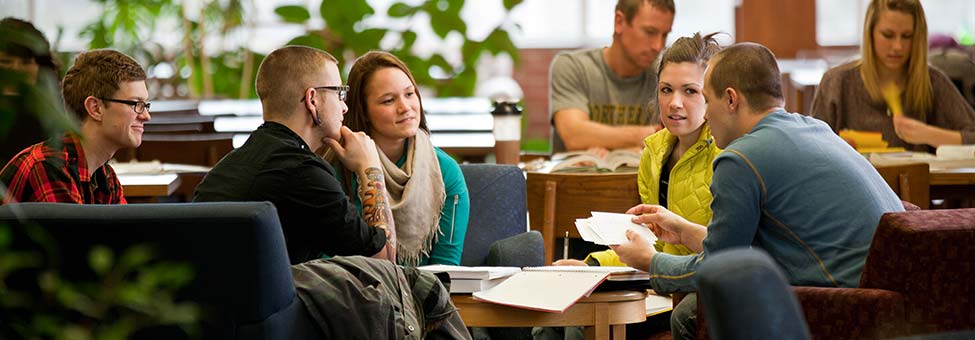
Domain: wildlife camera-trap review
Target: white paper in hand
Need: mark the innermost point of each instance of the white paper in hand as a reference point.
(610, 228)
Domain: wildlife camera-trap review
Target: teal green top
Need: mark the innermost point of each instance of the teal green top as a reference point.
(453, 217)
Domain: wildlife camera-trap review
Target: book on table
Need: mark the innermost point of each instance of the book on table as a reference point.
(657, 304)
(472, 279)
(620, 160)
(549, 289)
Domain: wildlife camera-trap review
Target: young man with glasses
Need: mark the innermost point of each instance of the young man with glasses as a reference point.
(107, 91)
(303, 97)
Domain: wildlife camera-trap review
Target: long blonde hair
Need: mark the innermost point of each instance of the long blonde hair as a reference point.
(919, 95)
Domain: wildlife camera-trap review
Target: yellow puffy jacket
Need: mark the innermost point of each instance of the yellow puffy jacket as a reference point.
(689, 189)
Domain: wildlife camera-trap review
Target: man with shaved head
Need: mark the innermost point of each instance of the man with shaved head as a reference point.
(784, 183)
(303, 99)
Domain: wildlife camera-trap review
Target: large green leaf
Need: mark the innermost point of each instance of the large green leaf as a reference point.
(341, 16)
(293, 14)
(367, 40)
(443, 24)
(509, 4)
(471, 51)
(499, 41)
(400, 10)
(409, 37)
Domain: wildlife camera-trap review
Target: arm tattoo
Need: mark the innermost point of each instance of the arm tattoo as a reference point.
(375, 202)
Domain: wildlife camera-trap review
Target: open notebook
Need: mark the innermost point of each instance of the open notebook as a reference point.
(550, 289)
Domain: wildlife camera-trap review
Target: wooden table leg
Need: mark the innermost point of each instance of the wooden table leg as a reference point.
(619, 332)
(600, 328)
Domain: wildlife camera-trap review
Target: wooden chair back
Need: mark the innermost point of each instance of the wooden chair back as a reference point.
(556, 200)
(911, 182)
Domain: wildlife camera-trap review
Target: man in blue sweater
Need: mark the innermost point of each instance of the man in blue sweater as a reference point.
(785, 183)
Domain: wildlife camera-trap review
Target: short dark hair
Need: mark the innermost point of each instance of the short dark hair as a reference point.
(629, 7)
(285, 73)
(97, 73)
(21, 39)
(751, 69)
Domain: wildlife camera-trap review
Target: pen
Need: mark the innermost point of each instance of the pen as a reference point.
(565, 247)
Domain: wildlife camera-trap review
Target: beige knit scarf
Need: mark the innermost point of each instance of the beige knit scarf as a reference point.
(417, 196)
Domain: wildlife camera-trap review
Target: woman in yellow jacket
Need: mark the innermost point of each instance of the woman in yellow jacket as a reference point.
(675, 170)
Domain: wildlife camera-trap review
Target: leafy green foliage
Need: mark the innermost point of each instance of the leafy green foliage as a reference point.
(128, 292)
(293, 14)
(345, 34)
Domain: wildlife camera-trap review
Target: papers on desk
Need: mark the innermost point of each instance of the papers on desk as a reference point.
(657, 304)
(548, 291)
(610, 229)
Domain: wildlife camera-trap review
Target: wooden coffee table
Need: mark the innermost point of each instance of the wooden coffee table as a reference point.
(598, 313)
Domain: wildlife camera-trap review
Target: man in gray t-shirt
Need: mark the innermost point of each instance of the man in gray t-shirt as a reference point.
(605, 97)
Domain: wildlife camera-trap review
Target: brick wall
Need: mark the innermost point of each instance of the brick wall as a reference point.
(532, 76)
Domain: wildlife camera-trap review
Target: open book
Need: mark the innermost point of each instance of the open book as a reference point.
(622, 160)
(550, 289)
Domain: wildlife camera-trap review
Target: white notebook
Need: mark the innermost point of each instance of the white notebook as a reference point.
(461, 272)
(547, 289)
(473, 285)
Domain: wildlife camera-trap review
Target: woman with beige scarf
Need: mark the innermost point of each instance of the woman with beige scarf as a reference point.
(426, 187)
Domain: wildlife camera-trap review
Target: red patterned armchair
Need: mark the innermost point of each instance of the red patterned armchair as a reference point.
(919, 278)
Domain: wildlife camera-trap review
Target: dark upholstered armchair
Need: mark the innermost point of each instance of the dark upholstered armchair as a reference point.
(918, 279)
(746, 297)
(497, 229)
(242, 281)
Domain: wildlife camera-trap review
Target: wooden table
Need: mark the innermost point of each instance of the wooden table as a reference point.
(950, 180)
(148, 188)
(955, 176)
(955, 185)
(598, 313)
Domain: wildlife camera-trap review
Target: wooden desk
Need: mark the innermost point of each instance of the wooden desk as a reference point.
(951, 180)
(556, 200)
(955, 185)
(148, 188)
(598, 313)
(954, 176)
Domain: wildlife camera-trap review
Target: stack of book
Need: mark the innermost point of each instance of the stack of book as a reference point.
(472, 279)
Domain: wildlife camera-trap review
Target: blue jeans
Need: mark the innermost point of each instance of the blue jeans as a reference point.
(683, 321)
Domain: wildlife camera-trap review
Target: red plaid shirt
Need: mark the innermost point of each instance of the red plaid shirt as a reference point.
(56, 171)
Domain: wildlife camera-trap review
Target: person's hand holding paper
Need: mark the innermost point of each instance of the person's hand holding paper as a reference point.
(668, 226)
(659, 220)
(636, 253)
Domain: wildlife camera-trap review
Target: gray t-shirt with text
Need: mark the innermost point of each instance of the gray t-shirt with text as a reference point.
(582, 80)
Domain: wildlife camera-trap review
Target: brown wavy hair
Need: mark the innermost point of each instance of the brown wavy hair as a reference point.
(357, 119)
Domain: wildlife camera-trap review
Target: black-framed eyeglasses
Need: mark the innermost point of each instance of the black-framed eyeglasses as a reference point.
(343, 91)
(137, 105)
